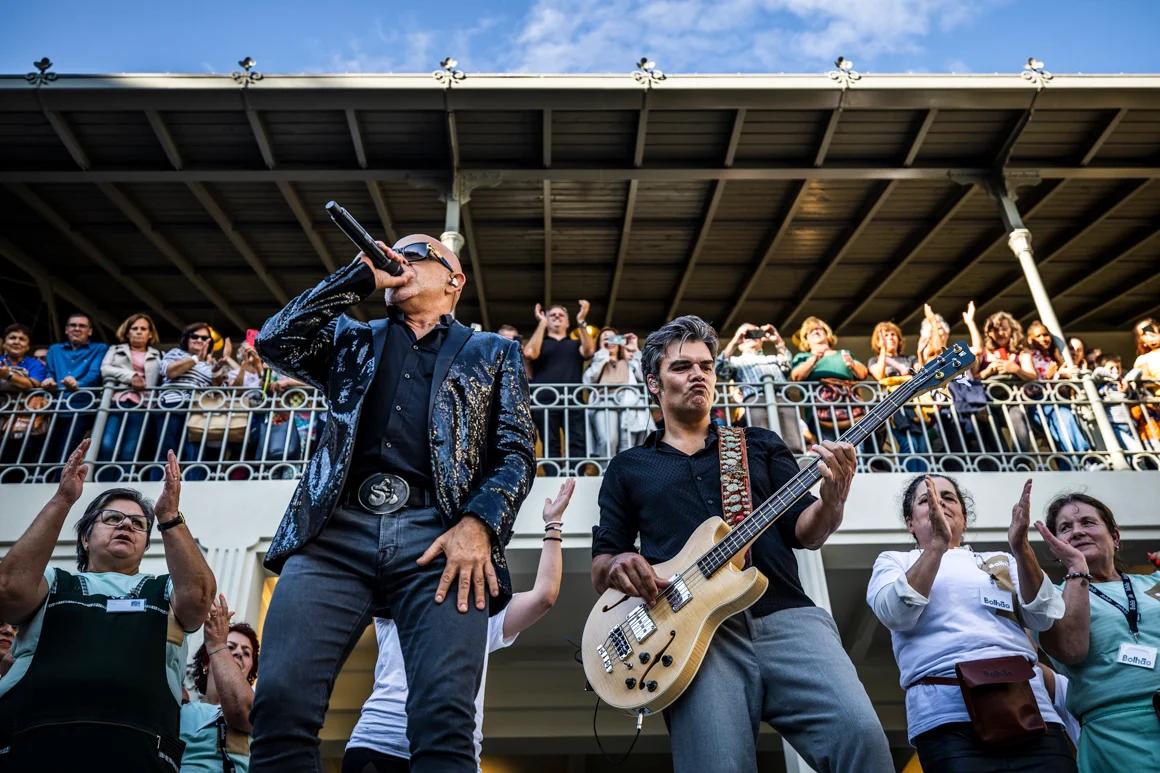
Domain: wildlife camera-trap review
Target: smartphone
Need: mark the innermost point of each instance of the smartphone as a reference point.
(618, 340)
(251, 336)
(755, 333)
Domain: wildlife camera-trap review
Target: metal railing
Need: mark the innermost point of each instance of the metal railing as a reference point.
(237, 433)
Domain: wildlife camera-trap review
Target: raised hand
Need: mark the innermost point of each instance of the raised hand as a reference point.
(554, 508)
(582, 315)
(1070, 557)
(940, 525)
(1020, 520)
(540, 316)
(969, 314)
(384, 280)
(168, 503)
(217, 624)
(72, 477)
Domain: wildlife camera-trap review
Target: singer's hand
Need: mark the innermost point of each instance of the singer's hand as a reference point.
(383, 280)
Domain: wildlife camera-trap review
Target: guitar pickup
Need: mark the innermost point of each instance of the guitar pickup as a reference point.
(607, 661)
(620, 646)
(678, 593)
(641, 625)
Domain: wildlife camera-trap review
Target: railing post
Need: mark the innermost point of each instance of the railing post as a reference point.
(99, 425)
(772, 418)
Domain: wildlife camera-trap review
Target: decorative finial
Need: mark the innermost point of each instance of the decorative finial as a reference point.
(449, 73)
(249, 75)
(42, 76)
(1034, 72)
(844, 72)
(647, 74)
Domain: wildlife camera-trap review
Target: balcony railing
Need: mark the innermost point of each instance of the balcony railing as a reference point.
(236, 433)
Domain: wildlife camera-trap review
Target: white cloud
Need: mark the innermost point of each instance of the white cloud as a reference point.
(681, 35)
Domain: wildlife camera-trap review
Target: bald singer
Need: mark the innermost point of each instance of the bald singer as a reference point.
(404, 509)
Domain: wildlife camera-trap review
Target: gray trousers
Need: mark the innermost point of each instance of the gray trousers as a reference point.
(359, 565)
(787, 668)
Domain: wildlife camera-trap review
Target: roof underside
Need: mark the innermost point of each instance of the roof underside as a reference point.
(736, 199)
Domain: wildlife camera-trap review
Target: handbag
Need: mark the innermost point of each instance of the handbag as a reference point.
(223, 417)
(969, 396)
(18, 425)
(837, 390)
(997, 692)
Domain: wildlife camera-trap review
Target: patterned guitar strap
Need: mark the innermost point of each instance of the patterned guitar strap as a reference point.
(736, 499)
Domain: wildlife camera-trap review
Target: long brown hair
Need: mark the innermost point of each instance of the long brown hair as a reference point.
(1147, 324)
(123, 329)
(1016, 343)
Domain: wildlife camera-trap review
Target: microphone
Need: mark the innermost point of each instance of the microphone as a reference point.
(363, 240)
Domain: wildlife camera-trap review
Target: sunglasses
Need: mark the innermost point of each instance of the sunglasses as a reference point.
(115, 518)
(420, 251)
(196, 337)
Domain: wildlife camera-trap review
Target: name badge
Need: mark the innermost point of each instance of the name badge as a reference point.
(994, 598)
(115, 606)
(1137, 655)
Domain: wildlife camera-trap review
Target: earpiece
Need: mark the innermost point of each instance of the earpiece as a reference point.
(453, 282)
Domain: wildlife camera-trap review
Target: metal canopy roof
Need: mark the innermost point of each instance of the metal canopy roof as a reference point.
(759, 198)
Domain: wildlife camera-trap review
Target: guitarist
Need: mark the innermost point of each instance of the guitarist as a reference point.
(781, 660)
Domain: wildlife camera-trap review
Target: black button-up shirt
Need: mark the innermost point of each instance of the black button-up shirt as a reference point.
(663, 494)
(392, 429)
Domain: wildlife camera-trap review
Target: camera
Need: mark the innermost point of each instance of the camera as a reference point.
(758, 333)
(618, 340)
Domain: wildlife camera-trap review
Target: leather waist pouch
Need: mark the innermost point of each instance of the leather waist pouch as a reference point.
(999, 699)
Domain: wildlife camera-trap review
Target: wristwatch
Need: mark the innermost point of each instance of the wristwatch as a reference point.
(171, 523)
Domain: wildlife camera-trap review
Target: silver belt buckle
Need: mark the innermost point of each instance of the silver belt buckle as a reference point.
(383, 493)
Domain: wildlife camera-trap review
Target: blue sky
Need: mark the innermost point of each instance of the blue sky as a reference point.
(581, 35)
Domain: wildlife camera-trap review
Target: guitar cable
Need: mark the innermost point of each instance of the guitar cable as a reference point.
(596, 710)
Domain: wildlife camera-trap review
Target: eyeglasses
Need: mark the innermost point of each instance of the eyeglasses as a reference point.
(79, 325)
(420, 251)
(115, 518)
(196, 337)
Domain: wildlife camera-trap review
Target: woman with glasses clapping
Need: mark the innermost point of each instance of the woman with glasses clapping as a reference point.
(95, 683)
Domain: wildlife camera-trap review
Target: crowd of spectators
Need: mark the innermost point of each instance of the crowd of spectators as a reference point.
(210, 400)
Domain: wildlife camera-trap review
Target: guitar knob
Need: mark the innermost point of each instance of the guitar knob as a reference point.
(666, 660)
(630, 683)
(644, 657)
(652, 685)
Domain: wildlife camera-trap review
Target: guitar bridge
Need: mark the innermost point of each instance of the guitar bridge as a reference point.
(678, 593)
(607, 661)
(641, 625)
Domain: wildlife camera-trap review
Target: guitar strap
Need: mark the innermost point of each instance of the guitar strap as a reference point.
(736, 497)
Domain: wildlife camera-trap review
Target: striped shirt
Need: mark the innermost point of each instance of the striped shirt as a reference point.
(199, 376)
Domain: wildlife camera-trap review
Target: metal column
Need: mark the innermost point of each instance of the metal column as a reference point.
(1019, 240)
(812, 572)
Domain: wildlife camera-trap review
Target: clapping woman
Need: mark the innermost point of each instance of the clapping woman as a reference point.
(950, 610)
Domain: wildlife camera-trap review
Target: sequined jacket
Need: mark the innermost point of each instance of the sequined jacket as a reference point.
(482, 437)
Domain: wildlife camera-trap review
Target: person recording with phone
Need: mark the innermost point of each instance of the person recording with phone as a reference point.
(745, 361)
(625, 420)
(404, 509)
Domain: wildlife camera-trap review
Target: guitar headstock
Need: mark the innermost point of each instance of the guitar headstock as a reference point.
(950, 362)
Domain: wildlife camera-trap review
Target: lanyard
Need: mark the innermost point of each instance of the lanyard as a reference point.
(1132, 612)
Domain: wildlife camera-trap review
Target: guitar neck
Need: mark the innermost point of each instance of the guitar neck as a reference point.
(764, 516)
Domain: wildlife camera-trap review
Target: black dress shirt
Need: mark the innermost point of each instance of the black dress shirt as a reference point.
(393, 429)
(663, 494)
(560, 362)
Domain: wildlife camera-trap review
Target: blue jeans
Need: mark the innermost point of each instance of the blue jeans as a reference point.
(789, 669)
(361, 565)
(912, 443)
(955, 748)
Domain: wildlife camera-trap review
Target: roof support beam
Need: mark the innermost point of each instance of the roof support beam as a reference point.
(215, 209)
(1102, 137)
(546, 136)
(935, 288)
(82, 243)
(75, 297)
(827, 137)
(68, 138)
(629, 210)
(698, 244)
(476, 268)
(360, 150)
(1114, 296)
(920, 137)
(710, 213)
(376, 193)
(872, 290)
(811, 286)
(135, 215)
(575, 174)
(797, 195)
(262, 137)
(547, 243)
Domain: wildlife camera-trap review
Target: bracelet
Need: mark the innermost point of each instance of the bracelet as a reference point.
(553, 539)
(1077, 576)
(211, 653)
(553, 525)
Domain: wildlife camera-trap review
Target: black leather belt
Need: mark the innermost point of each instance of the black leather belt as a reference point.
(383, 493)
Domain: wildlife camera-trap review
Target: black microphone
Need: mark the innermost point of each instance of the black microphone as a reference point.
(363, 240)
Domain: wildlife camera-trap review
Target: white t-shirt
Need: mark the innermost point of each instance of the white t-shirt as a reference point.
(1070, 723)
(382, 725)
(930, 635)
